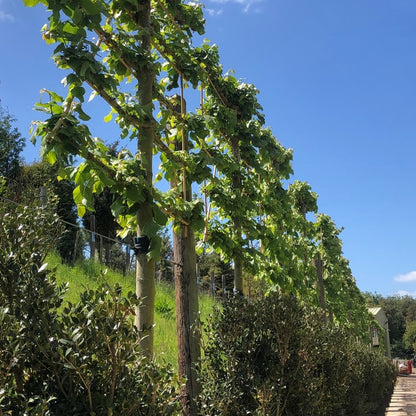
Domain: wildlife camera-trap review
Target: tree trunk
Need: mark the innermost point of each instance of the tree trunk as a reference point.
(187, 323)
(238, 261)
(145, 269)
(318, 264)
(238, 275)
(186, 292)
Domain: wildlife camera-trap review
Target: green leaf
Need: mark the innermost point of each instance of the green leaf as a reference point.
(69, 28)
(56, 109)
(82, 173)
(83, 116)
(150, 229)
(106, 180)
(51, 157)
(117, 208)
(31, 3)
(91, 6)
(77, 195)
(78, 92)
(159, 216)
(108, 117)
(154, 248)
(81, 210)
(199, 249)
(85, 66)
(133, 193)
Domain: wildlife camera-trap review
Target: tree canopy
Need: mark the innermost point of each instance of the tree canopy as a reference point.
(11, 146)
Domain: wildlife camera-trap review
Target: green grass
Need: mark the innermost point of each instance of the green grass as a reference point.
(89, 275)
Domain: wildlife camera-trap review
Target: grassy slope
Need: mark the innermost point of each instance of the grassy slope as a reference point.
(88, 275)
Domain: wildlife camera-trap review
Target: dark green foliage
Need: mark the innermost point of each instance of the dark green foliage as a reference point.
(82, 359)
(354, 379)
(105, 223)
(165, 264)
(71, 242)
(11, 145)
(400, 312)
(26, 234)
(26, 189)
(250, 358)
(212, 262)
(28, 305)
(120, 257)
(101, 363)
(278, 357)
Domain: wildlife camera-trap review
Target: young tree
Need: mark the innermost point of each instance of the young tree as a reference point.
(122, 68)
(124, 42)
(70, 244)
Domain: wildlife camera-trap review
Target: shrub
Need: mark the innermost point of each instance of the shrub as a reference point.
(278, 357)
(28, 302)
(101, 369)
(253, 359)
(81, 359)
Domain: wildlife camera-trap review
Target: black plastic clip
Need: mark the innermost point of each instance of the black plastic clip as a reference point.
(141, 245)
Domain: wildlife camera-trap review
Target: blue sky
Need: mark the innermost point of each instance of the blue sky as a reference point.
(337, 83)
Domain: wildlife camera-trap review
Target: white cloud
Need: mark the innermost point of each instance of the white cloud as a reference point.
(408, 277)
(6, 16)
(213, 12)
(246, 4)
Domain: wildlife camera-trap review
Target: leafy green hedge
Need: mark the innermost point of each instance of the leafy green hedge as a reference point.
(278, 357)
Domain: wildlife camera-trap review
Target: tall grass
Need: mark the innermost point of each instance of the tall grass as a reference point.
(88, 274)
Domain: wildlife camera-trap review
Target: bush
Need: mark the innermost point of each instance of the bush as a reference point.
(253, 361)
(101, 369)
(28, 302)
(278, 357)
(81, 359)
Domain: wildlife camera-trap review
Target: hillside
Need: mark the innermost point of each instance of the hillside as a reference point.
(88, 275)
